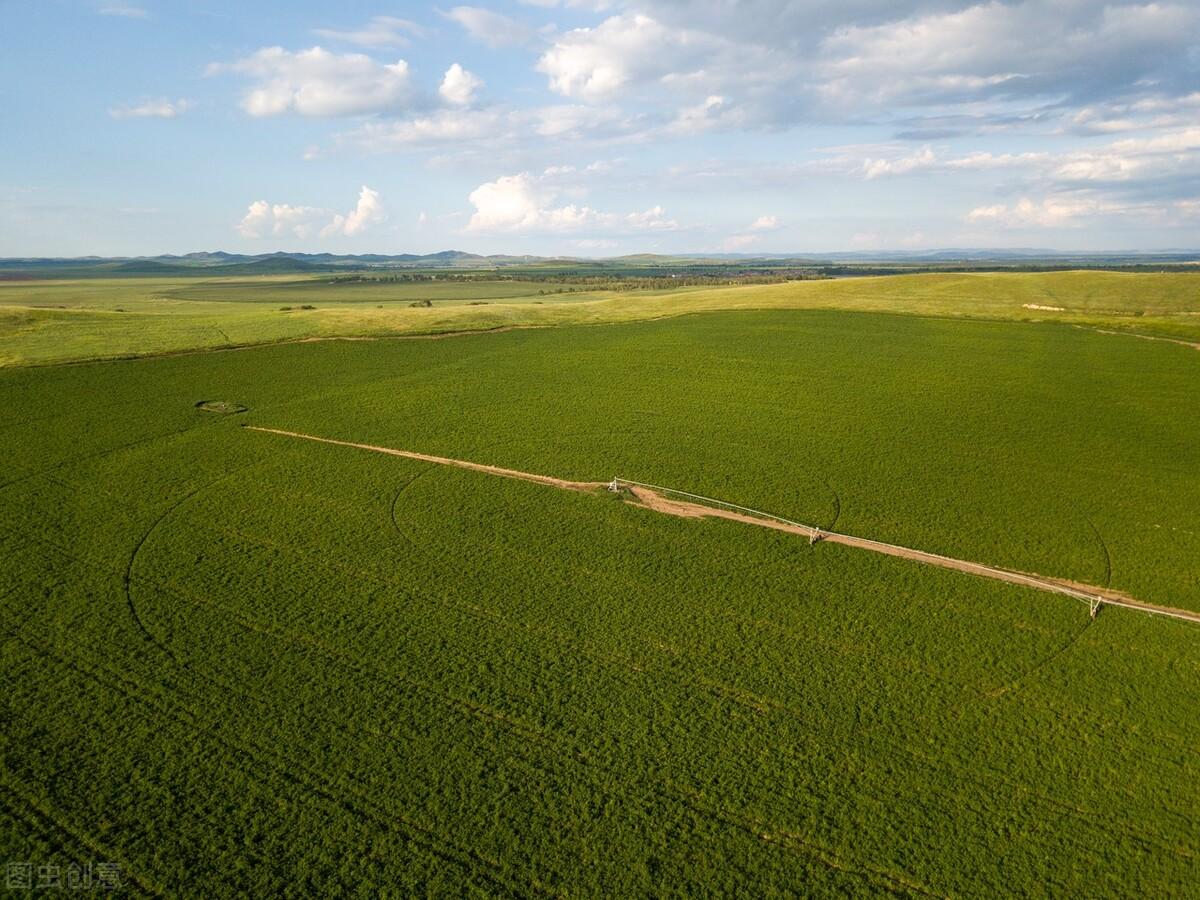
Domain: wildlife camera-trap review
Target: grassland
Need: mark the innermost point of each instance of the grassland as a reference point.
(58, 321)
(217, 641)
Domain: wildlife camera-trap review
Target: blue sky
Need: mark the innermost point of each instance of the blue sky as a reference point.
(597, 127)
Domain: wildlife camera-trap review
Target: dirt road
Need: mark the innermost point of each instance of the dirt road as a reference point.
(442, 461)
(655, 499)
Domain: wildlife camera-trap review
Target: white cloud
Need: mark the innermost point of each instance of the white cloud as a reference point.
(593, 63)
(750, 236)
(264, 219)
(160, 108)
(491, 28)
(1127, 161)
(439, 128)
(1047, 213)
(381, 31)
(1147, 112)
(653, 218)
(459, 86)
(316, 82)
(366, 213)
(483, 132)
(524, 203)
(506, 204)
(123, 10)
(874, 168)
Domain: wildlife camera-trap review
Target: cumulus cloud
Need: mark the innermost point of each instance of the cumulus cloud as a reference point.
(160, 108)
(265, 219)
(317, 82)
(459, 86)
(491, 28)
(366, 213)
(525, 203)
(380, 32)
(764, 223)
(593, 63)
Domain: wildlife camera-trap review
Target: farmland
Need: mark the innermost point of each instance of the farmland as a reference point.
(46, 321)
(217, 639)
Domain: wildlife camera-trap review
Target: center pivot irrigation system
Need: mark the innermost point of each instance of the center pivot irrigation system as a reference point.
(816, 533)
(689, 505)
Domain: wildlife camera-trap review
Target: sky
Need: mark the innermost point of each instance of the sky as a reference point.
(598, 127)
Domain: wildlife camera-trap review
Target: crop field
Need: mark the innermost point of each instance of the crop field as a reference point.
(216, 640)
(58, 321)
(259, 290)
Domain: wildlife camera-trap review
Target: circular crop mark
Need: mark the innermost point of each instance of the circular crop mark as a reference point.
(221, 407)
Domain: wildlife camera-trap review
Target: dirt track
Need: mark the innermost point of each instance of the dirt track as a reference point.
(1144, 337)
(653, 499)
(443, 461)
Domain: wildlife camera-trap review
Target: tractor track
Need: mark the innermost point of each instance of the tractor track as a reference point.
(1104, 550)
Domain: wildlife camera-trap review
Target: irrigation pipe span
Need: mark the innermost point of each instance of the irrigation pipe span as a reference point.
(1094, 600)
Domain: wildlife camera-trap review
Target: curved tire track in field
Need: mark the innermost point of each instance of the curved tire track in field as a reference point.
(98, 454)
(1041, 664)
(655, 499)
(1103, 549)
(127, 580)
(837, 505)
(392, 512)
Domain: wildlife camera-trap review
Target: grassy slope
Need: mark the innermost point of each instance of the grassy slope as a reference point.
(216, 641)
(156, 319)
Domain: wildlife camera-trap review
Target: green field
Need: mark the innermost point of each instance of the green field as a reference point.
(241, 663)
(59, 321)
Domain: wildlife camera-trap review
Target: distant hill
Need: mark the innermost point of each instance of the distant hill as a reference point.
(221, 263)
